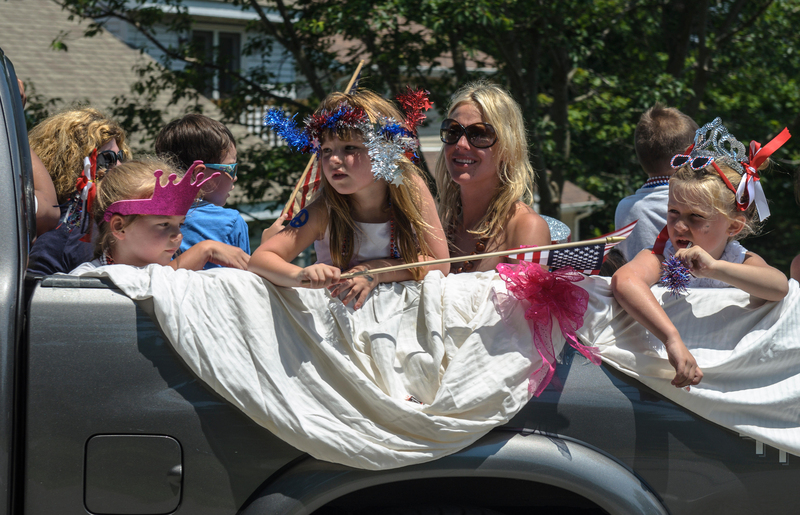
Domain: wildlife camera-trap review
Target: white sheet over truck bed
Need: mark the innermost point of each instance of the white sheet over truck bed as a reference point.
(333, 382)
(748, 349)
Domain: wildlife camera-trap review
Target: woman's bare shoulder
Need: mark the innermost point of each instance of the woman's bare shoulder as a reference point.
(525, 226)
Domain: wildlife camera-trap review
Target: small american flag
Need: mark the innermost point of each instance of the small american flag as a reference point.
(586, 259)
(624, 232)
(308, 191)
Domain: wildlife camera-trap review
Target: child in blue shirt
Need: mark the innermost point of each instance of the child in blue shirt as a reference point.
(196, 137)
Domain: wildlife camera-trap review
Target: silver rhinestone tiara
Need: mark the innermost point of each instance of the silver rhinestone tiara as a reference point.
(713, 140)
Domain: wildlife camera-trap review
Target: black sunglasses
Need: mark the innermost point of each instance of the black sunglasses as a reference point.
(479, 135)
(108, 158)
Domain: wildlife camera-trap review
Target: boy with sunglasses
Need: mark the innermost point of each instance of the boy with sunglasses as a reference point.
(662, 132)
(199, 138)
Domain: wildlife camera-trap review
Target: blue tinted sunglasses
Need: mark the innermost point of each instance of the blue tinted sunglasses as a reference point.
(230, 169)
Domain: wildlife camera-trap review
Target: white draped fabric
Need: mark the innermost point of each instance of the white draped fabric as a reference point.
(748, 349)
(334, 382)
(337, 383)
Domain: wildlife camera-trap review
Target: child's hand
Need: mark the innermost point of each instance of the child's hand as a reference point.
(210, 251)
(228, 255)
(318, 276)
(357, 288)
(273, 229)
(687, 373)
(697, 261)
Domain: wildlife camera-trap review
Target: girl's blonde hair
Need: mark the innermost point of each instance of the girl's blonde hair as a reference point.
(404, 200)
(514, 169)
(705, 187)
(126, 181)
(64, 139)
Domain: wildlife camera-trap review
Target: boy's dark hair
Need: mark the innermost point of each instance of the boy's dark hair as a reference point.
(613, 262)
(191, 138)
(661, 133)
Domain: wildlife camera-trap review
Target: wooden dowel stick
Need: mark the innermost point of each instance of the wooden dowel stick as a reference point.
(354, 77)
(472, 257)
(299, 184)
(557, 246)
(310, 164)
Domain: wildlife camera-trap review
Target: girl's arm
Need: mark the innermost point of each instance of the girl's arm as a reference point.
(196, 257)
(272, 260)
(47, 212)
(359, 287)
(631, 286)
(275, 228)
(754, 276)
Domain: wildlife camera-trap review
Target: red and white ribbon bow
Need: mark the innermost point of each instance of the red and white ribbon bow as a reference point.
(751, 182)
(86, 185)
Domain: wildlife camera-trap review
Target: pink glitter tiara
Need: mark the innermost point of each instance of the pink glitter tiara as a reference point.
(170, 200)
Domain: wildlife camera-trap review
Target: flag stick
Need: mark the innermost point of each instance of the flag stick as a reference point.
(310, 164)
(405, 266)
(472, 257)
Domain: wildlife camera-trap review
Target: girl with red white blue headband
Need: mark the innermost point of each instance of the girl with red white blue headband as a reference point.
(375, 209)
(715, 199)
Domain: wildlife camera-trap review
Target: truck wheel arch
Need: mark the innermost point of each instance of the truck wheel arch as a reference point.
(310, 484)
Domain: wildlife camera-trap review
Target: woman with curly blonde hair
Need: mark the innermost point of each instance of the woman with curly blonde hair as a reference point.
(485, 179)
(62, 142)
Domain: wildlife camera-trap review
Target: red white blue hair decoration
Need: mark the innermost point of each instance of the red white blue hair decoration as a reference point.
(78, 212)
(675, 276)
(387, 140)
(714, 144)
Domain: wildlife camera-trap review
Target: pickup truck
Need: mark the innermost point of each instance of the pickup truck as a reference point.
(99, 415)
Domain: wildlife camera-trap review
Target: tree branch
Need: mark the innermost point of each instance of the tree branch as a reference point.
(292, 43)
(723, 40)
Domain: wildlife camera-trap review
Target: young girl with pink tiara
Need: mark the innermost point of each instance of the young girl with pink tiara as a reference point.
(139, 210)
(375, 209)
(715, 198)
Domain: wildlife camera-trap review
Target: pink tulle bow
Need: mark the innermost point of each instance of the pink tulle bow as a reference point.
(550, 294)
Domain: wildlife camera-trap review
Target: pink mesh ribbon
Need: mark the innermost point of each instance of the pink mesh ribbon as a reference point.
(549, 294)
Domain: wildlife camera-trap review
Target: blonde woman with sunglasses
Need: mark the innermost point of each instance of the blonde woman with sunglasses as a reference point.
(484, 178)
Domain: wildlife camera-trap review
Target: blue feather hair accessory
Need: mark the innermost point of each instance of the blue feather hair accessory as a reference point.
(277, 121)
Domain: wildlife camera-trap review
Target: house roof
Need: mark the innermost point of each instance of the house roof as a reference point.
(95, 69)
(92, 70)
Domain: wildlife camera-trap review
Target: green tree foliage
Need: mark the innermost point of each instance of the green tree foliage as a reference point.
(582, 70)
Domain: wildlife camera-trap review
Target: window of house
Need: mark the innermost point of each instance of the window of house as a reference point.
(225, 49)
